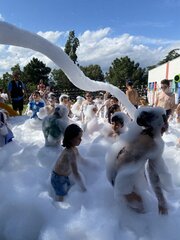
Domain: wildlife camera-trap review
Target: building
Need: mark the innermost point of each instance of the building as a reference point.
(170, 71)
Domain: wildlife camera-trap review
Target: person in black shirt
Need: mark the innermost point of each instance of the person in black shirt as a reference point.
(16, 91)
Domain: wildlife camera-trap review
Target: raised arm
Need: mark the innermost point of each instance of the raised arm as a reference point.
(156, 185)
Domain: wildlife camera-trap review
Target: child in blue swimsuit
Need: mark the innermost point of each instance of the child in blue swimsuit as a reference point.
(67, 163)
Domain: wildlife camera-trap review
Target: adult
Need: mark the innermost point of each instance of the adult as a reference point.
(16, 90)
(165, 98)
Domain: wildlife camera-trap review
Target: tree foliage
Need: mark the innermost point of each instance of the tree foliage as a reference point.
(94, 72)
(171, 55)
(71, 46)
(36, 70)
(61, 80)
(123, 69)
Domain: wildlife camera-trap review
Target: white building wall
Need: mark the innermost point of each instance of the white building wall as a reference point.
(164, 71)
(157, 74)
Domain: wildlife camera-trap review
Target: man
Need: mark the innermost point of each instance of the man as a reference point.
(166, 99)
(16, 91)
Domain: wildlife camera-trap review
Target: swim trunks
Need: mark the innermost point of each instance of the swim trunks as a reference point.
(61, 184)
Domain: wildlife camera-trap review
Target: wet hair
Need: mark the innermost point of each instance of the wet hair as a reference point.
(112, 109)
(165, 81)
(36, 93)
(146, 118)
(129, 83)
(71, 132)
(117, 119)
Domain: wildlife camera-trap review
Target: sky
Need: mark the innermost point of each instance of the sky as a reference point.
(143, 30)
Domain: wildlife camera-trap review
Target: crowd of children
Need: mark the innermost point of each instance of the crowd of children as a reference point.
(64, 121)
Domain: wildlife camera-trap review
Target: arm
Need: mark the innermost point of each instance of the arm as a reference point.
(86, 162)
(77, 175)
(156, 101)
(155, 182)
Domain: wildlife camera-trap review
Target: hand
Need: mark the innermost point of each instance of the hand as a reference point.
(83, 189)
(163, 210)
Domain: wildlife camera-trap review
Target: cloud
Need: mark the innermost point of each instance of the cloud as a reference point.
(100, 48)
(51, 36)
(1, 17)
(96, 47)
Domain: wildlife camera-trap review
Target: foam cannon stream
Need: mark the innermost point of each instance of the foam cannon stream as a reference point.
(11, 35)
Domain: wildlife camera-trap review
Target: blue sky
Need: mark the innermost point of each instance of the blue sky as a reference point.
(144, 30)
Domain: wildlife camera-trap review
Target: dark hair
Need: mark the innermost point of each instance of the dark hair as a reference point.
(36, 93)
(129, 83)
(112, 109)
(71, 132)
(165, 81)
(117, 119)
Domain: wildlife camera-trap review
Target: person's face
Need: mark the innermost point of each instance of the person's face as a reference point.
(116, 126)
(164, 87)
(89, 97)
(77, 140)
(36, 97)
(52, 101)
(15, 77)
(65, 100)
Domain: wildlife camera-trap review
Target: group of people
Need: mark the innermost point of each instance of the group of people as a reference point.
(64, 123)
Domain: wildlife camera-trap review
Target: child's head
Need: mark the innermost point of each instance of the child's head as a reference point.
(36, 95)
(114, 100)
(117, 122)
(72, 136)
(63, 99)
(111, 110)
(129, 84)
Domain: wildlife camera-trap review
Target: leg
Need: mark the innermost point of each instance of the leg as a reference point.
(135, 202)
(59, 198)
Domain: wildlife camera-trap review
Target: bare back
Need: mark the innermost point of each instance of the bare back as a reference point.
(63, 164)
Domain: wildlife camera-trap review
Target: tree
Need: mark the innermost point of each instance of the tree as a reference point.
(94, 72)
(71, 46)
(123, 69)
(16, 68)
(62, 83)
(36, 70)
(6, 77)
(171, 55)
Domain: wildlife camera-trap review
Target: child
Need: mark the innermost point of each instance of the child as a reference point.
(53, 126)
(111, 110)
(67, 163)
(6, 134)
(35, 104)
(126, 171)
(119, 123)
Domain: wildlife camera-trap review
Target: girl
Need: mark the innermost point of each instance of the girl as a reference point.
(67, 163)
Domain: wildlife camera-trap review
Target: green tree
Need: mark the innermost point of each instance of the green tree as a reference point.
(171, 55)
(36, 70)
(71, 46)
(6, 77)
(94, 72)
(123, 69)
(16, 68)
(61, 81)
